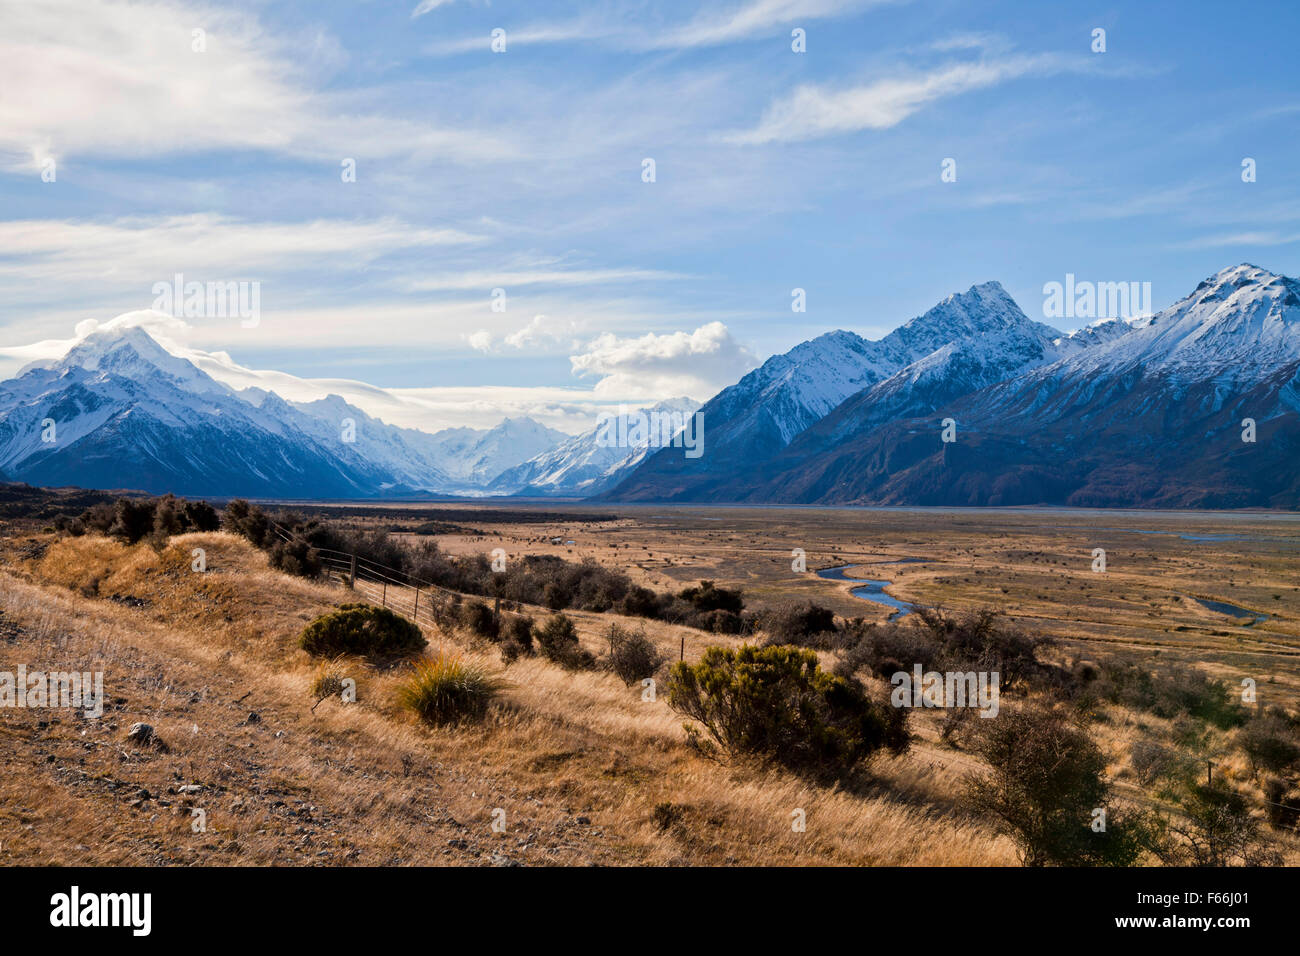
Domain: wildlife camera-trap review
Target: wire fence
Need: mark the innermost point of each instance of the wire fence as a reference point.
(421, 601)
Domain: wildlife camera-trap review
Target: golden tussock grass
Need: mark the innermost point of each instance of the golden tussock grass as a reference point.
(577, 760)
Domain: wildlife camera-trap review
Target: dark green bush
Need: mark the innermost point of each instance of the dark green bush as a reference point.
(477, 618)
(806, 624)
(519, 629)
(1044, 782)
(558, 640)
(708, 597)
(1271, 742)
(362, 629)
(775, 702)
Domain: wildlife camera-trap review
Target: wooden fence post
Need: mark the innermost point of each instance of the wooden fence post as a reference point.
(384, 599)
(352, 573)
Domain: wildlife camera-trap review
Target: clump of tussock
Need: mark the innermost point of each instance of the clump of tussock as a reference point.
(329, 680)
(446, 689)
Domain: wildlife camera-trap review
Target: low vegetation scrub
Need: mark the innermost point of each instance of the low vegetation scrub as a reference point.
(518, 628)
(1216, 828)
(138, 519)
(806, 624)
(558, 641)
(981, 640)
(1172, 692)
(632, 655)
(539, 579)
(1044, 787)
(477, 618)
(1271, 742)
(776, 703)
(362, 629)
(329, 680)
(445, 689)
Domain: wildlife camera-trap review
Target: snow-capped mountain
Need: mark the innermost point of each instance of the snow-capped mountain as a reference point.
(119, 411)
(1152, 416)
(474, 459)
(968, 340)
(582, 465)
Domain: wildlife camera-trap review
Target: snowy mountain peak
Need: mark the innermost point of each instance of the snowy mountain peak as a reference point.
(131, 353)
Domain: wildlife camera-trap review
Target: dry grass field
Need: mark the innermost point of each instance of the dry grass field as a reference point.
(586, 771)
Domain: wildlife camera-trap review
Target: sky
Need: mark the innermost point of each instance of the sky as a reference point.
(378, 169)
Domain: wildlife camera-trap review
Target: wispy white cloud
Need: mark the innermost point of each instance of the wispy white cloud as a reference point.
(428, 6)
(111, 78)
(623, 28)
(138, 251)
(1249, 238)
(522, 278)
(814, 111)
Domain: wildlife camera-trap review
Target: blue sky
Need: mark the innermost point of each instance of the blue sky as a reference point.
(522, 170)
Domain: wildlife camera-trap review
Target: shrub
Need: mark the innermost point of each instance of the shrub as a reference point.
(632, 655)
(717, 621)
(640, 602)
(666, 814)
(518, 628)
(982, 640)
(558, 640)
(132, 520)
(1178, 691)
(1153, 761)
(1270, 743)
(477, 618)
(808, 624)
(707, 597)
(1043, 783)
(1216, 829)
(1283, 807)
(362, 629)
(776, 703)
(445, 689)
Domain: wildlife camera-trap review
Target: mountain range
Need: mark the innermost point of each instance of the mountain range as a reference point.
(971, 403)
(1149, 412)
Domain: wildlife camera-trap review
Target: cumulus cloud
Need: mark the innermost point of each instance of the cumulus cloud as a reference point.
(658, 366)
(570, 409)
(542, 332)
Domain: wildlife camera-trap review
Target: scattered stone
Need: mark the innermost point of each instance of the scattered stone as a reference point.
(144, 735)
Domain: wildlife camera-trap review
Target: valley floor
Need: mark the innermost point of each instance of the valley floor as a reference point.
(585, 770)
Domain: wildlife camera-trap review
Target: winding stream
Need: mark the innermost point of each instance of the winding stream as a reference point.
(873, 591)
